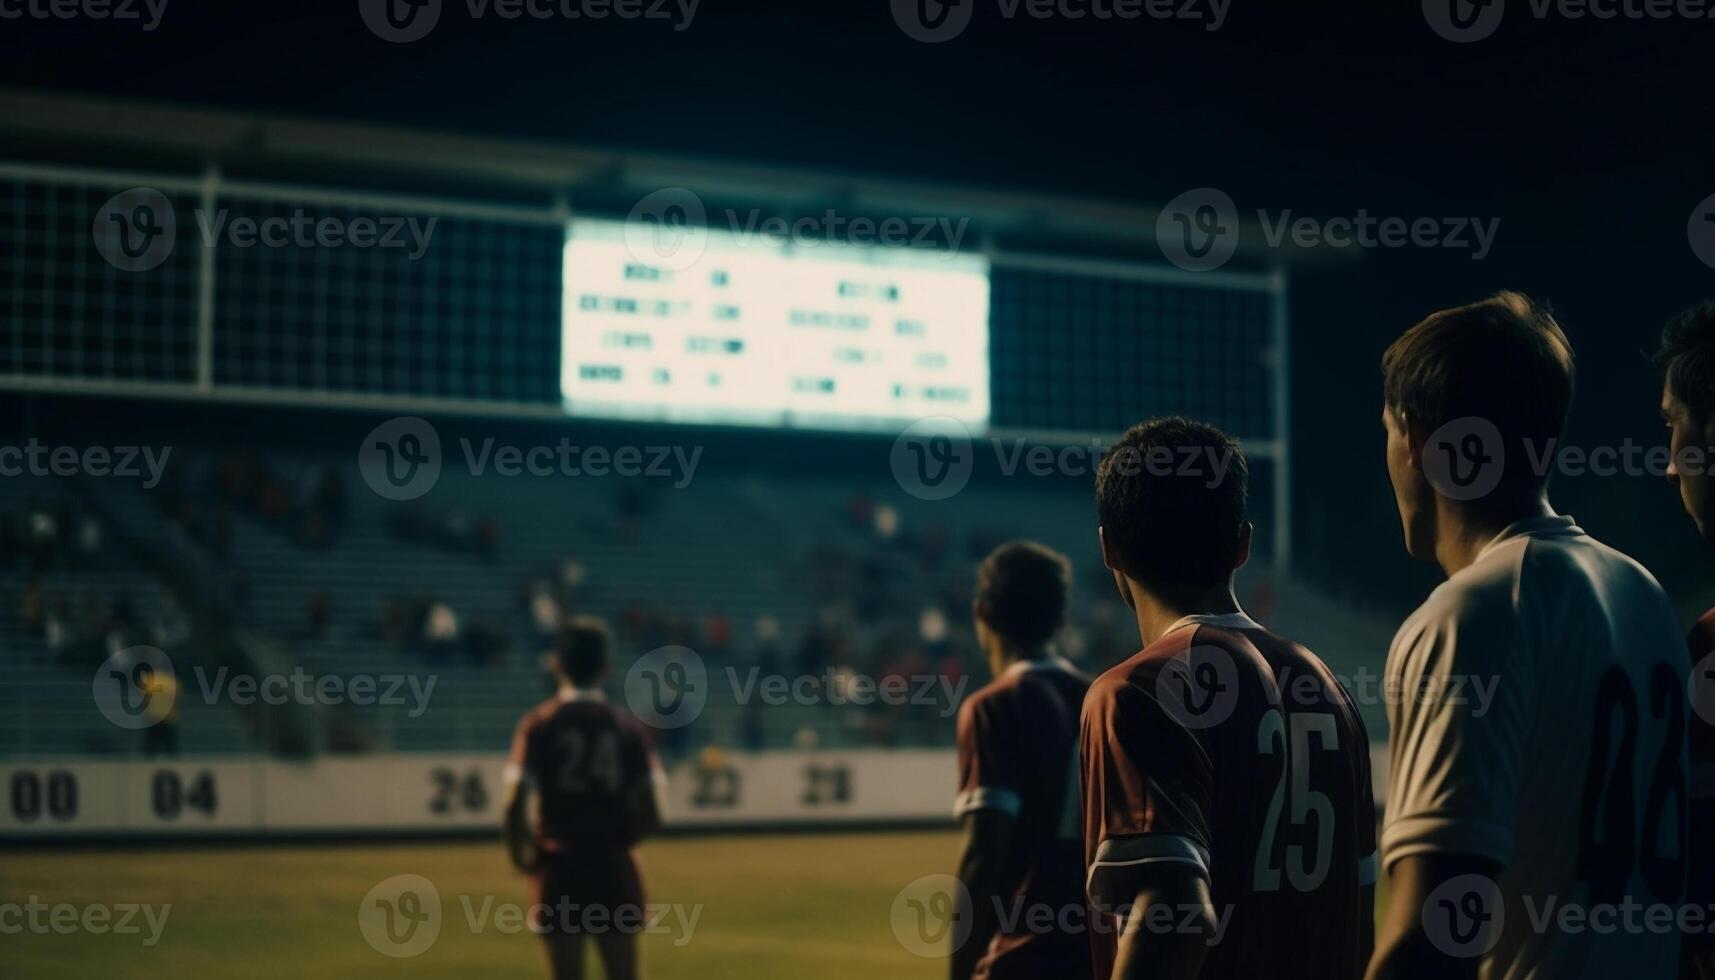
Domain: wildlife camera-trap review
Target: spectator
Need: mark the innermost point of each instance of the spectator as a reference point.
(717, 635)
(545, 612)
(33, 606)
(318, 614)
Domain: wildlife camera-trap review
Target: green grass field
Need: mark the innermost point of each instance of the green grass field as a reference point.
(801, 905)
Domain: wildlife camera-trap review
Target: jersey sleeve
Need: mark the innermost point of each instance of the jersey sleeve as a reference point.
(989, 778)
(1457, 758)
(1147, 788)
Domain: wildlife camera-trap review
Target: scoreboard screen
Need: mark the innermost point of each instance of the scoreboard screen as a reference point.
(694, 325)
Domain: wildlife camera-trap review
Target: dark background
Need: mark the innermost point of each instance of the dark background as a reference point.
(1590, 140)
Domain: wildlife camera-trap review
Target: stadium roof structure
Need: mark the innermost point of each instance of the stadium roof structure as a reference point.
(69, 129)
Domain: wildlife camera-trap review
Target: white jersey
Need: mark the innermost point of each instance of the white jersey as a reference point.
(1538, 719)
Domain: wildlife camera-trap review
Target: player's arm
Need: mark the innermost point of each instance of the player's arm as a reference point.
(1452, 791)
(1406, 951)
(645, 801)
(1147, 788)
(646, 787)
(1166, 946)
(515, 829)
(982, 870)
(515, 826)
(987, 806)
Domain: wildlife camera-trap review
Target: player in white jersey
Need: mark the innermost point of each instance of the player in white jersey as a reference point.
(1536, 806)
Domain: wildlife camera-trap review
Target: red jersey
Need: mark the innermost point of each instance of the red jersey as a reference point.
(590, 766)
(1699, 961)
(1236, 753)
(1018, 751)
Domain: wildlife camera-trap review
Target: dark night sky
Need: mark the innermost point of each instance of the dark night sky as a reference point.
(1590, 140)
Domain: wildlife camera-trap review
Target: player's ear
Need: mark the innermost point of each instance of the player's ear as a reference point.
(1247, 531)
(1416, 436)
(981, 610)
(1108, 557)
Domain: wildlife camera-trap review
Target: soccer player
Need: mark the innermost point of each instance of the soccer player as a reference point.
(1686, 360)
(1229, 826)
(589, 770)
(1018, 785)
(1566, 784)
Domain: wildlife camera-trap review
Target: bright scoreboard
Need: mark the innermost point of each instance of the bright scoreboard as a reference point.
(703, 326)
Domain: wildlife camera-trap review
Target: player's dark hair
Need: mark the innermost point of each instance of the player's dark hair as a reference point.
(580, 649)
(1171, 498)
(1024, 585)
(1503, 359)
(1686, 359)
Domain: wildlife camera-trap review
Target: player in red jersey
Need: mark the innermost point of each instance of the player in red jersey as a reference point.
(588, 768)
(1686, 360)
(1018, 782)
(1229, 828)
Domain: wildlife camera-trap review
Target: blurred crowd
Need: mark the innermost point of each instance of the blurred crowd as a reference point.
(870, 596)
(77, 625)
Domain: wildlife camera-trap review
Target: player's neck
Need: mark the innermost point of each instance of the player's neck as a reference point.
(1463, 533)
(1003, 658)
(1157, 614)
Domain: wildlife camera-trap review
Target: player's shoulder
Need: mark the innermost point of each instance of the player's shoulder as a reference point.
(1141, 670)
(1001, 691)
(629, 723)
(1285, 656)
(1549, 564)
(582, 708)
(539, 714)
(1479, 600)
